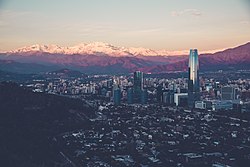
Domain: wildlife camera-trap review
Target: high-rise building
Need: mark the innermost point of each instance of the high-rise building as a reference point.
(144, 96)
(138, 80)
(138, 86)
(193, 78)
(130, 95)
(168, 97)
(159, 94)
(180, 99)
(228, 93)
(117, 96)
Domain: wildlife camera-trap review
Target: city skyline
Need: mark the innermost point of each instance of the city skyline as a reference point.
(125, 83)
(156, 25)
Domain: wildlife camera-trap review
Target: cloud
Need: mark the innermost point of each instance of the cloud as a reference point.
(9, 17)
(149, 30)
(13, 14)
(192, 12)
(3, 23)
(91, 29)
(87, 28)
(245, 22)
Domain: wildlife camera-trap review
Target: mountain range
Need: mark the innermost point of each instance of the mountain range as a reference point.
(101, 57)
(99, 49)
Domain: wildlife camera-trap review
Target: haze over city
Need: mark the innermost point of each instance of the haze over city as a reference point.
(173, 25)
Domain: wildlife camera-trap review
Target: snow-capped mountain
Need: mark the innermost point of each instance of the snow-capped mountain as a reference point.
(99, 49)
(39, 48)
(105, 58)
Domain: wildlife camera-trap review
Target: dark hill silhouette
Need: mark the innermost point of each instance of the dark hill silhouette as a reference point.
(28, 122)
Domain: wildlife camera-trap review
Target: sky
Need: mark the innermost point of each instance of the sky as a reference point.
(156, 24)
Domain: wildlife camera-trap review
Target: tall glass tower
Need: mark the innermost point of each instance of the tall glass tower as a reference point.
(117, 96)
(138, 85)
(193, 78)
(138, 80)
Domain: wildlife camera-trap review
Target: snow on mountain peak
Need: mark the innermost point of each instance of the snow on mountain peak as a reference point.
(39, 48)
(98, 48)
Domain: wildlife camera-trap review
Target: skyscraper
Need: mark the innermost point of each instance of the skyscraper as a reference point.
(138, 85)
(117, 96)
(144, 96)
(116, 92)
(228, 93)
(138, 80)
(130, 95)
(193, 78)
(159, 94)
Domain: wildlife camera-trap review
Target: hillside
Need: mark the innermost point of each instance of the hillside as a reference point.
(30, 120)
(233, 58)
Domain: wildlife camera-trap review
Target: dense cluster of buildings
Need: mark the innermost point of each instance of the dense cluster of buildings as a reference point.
(143, 120)
(155, 135)
(193, 91)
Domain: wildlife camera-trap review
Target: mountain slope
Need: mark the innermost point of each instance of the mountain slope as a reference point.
(35, 59)
(84, 63)
(233, 58)
(26, 68)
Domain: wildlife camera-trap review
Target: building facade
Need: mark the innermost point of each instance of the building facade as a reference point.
(138, 86)
(117, 96)
(228, 93)
(193, 78)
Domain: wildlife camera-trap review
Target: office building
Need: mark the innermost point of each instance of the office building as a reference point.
(205, 105)
(144, 96)
(168, 97)
(228, 93)
(117, 96)
(130, 95)
(222, 105)
(180, 99)
(159, 94)
(138, 86)
(193, 78)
